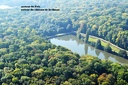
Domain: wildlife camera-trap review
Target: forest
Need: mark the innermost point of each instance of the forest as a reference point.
(27, 58)
(104, 19)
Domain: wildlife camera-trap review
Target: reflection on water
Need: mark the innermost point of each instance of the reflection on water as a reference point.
(73, 43)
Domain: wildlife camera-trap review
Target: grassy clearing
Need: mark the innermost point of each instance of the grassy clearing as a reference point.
(92, 39)
(115, 49)
(104, 44)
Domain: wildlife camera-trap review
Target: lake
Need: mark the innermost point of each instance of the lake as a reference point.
(76, 45)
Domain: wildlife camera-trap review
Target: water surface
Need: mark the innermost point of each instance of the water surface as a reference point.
(75, 45)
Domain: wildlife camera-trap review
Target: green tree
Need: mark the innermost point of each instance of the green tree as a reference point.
(38, 73)
(108, 48)
(1, 65)
(98, 45)
(24, 78)
(87, 36)
(15, 80)
(123, 53)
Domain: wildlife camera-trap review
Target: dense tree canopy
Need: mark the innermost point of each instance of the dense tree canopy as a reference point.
(27, 58)
(107, 19)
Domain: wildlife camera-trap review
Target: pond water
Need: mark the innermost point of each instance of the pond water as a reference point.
(75, 45)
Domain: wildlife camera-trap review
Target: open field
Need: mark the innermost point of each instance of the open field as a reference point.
(104, 44)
